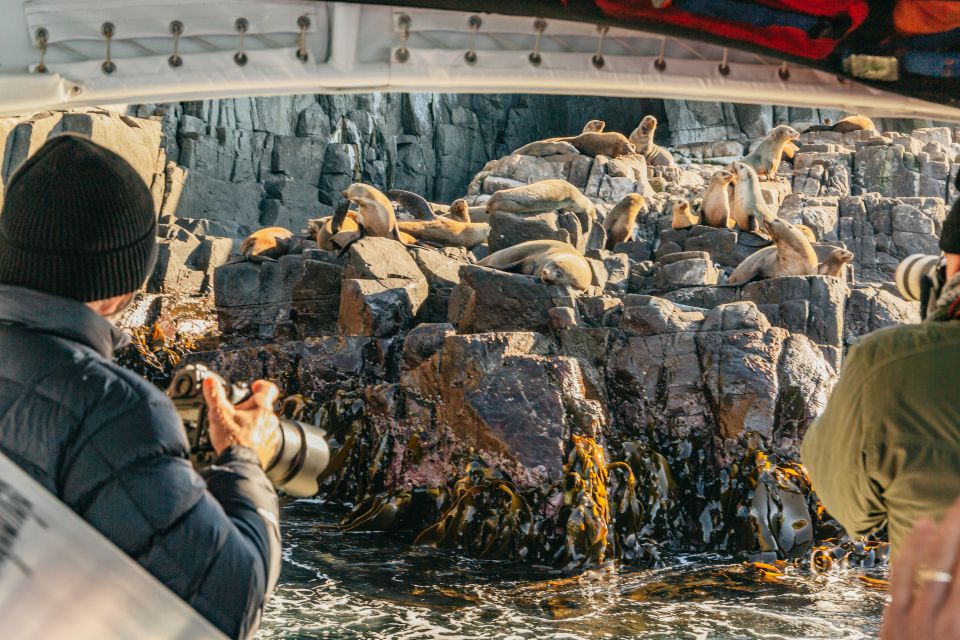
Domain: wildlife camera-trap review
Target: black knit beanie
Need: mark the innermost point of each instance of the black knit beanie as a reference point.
(77, 222)
(950, 237)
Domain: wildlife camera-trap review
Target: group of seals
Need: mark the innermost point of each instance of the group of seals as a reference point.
(642, 139)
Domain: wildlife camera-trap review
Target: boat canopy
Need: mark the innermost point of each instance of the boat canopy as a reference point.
(813, 53)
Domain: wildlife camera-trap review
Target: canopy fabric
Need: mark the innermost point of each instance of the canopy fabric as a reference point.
(67, 53)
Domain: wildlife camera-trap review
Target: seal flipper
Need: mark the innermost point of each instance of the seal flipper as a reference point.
(339, 215)
(346, 247)
(413, 202)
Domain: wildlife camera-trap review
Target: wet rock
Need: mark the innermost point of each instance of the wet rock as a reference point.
(293, 297)
(380, 308)
(491, 300)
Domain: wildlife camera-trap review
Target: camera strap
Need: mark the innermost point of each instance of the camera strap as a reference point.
(61, 578)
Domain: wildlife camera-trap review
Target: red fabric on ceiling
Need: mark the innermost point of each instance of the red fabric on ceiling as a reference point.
(923, 17)
(777, 37)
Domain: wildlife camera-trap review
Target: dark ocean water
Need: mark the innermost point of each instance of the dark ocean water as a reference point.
(368, 585)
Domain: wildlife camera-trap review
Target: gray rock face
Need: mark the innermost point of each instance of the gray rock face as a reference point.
(490, 300)
(296, 296)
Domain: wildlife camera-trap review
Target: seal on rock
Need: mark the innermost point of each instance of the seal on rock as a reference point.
(610, 144)
(789, 151)
(544, 196)
(459, 211)
(856, 122)
(543, 148)
(416, 204)
(835, 262)
(322, 229)
(268, 244)
(766, 157)
(642, 139)
(621, 219)
(553, 261)
(790, 255)
(375, 215)
(683, 217)
(446, 231)
(807, 232)
(747, 206)
(715, 207)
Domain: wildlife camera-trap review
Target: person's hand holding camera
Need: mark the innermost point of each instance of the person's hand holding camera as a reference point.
(251, 423)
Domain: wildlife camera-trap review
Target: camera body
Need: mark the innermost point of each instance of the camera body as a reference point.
(301, 458)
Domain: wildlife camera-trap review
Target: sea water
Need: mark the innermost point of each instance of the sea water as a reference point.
(376, 585)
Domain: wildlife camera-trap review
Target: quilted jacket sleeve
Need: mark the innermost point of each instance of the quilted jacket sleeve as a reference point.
(213, 541)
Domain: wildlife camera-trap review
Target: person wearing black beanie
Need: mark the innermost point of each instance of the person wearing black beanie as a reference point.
(77, 240)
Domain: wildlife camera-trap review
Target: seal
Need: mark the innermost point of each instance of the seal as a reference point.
(835, 262)
(322, 228)
(715, 207)
(414, 203)
(747, 206)
(553, 261)
(446, 231)
(375, 215)
(807, 232)
(642, 139)
(459, 211)
(543, 148)
(683, 217)
(544, 196)
(790, 255)
(858, 122)
(620, 221)
(766, 157)
(267, 244)
(610, 144)
(594, 126)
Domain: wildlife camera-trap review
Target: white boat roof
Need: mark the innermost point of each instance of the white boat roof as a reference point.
(55, 55)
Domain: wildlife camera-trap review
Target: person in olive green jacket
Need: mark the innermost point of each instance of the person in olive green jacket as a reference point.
(887, 448)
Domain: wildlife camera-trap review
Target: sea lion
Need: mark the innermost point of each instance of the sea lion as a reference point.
(594, 126)
(375, 215)
(715, 208)
(610, 144)
(683, 217)
(766, 157)
(543, 148)
(856, 122)
(620, 221)
(747, 205)
(553, 261)
(790, 255)
(544, 196)
(446, 231)
(642, 139)
(322, 229)
(414, 203)
(267, 244)
(835, 262)
(459, 211)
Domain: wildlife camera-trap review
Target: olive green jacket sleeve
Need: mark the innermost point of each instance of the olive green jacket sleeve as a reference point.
(887, 447)
(835, 451)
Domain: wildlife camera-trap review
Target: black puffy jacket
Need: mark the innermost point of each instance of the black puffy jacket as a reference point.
(111, 446)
